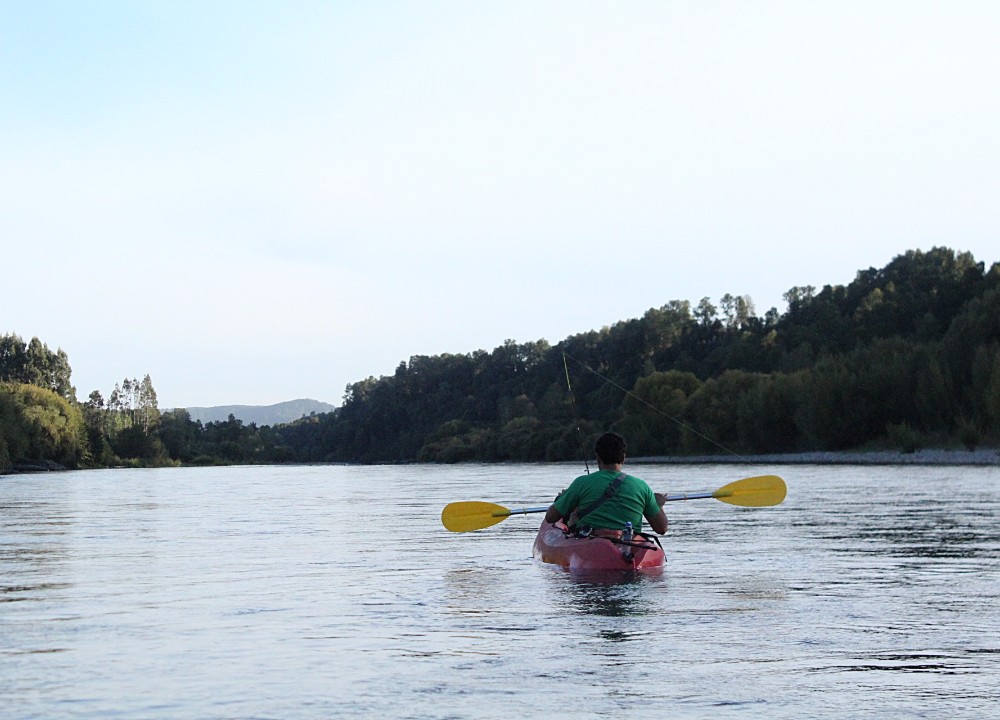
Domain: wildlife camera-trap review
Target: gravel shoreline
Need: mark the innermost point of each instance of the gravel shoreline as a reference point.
(980, 456)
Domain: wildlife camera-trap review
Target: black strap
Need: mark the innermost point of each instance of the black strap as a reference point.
(609, 492)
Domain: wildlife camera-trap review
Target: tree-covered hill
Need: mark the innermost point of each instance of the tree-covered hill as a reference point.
(276, 414)
(907, 354)
(903, 356)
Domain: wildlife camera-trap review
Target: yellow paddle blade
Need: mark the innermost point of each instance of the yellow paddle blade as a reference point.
(473, 515)
(760, 491)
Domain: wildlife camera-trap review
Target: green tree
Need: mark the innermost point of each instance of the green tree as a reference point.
(125, 425)
(766, 414)
(13, 440)
(520, 440)
(975, 327)
(34, 364)
(94, 412)
(934, 396)
(40, 425)
(453, 442)
(655, 410)
(712, 420)
(148, 410)
(180, 434)
(826, 415)
(917, 294)
(737, 311)
(991, 396)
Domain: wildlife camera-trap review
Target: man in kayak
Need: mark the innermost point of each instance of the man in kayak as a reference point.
(609, 499)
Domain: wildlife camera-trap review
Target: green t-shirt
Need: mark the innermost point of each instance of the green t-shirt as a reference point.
(633, 500)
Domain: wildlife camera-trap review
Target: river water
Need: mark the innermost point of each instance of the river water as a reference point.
(331, 591)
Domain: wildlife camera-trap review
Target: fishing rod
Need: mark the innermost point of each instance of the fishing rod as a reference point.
(576, 415)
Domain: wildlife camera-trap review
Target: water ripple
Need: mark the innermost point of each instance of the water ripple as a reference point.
(302, 592)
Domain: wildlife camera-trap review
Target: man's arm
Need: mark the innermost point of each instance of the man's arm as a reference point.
(552, 515)
(659, 521)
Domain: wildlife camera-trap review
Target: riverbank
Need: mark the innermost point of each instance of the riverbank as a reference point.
(980, 456)
(38, 466)
(930, 456)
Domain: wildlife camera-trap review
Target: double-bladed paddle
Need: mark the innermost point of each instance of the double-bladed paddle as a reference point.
(760, 491)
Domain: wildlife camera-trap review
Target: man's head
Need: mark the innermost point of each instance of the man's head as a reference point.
(610, 449)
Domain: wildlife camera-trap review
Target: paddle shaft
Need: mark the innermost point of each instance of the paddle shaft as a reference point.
(521, 511)
(669, 498)
(690, 496)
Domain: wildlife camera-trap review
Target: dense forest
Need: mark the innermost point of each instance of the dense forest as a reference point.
(904, 356)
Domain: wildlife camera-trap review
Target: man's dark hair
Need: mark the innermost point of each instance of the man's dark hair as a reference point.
(610, 448)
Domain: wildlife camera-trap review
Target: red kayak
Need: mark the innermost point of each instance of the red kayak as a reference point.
(554, 544)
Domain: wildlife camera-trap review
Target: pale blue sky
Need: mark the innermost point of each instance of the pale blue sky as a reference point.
(260, 201)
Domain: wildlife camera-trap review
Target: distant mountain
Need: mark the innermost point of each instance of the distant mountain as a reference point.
(284, 412)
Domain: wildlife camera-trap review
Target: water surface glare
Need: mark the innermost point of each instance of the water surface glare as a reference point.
(331, 591)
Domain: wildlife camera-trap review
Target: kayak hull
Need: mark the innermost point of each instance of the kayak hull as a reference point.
(553, 545)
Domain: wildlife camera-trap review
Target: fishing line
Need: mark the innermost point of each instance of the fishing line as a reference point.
(647, 404)
(576, 415)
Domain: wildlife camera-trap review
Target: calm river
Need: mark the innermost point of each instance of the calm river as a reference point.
(327, 592)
